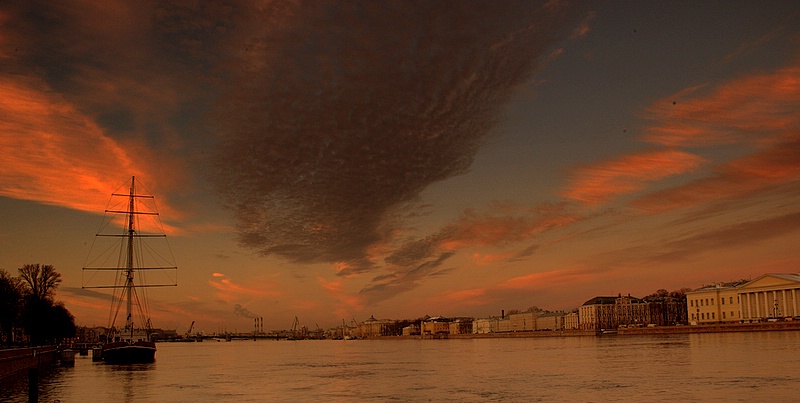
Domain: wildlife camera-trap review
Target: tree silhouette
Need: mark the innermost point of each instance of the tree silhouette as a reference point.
(42, 281)
(44, 320)
(10, 306)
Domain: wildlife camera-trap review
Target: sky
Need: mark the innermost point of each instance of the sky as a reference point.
(339, 160)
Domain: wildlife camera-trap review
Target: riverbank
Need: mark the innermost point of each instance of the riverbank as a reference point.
(715, 328)
(685, 329)
(16, 360)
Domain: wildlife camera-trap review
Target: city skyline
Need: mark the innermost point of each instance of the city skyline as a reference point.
(342, 160)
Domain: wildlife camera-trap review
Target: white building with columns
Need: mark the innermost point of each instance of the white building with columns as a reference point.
(770, 296)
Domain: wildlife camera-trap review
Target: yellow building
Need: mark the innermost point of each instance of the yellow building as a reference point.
(771, 296)
(485, 325)
(571, 321)
(716, 303)
(434, 326)
(607, 313)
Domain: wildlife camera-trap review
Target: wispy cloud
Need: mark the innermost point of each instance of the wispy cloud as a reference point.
(746, 110)
(97, 92)
(605, 181)
(45, 143)
(229, 291)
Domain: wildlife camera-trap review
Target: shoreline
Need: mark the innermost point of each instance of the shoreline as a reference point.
(631, 331)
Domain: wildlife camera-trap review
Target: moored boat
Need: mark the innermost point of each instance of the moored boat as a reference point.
(132, 343)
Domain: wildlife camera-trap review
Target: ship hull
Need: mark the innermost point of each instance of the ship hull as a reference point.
(125, 353)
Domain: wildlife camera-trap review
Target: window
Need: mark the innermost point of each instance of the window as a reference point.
(713, 316)
(712, 301)
(703, 315)
(732, 299)
(723, 301)
(723, 313)
(691, 302)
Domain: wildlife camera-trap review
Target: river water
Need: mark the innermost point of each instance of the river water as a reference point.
(762, 366)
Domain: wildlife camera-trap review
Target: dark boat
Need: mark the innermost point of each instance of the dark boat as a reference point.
(124, 352)
(132, 343)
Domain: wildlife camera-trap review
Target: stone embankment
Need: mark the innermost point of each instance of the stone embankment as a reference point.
(716, 328)
(20, 359)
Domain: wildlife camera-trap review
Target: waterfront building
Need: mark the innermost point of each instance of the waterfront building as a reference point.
(522, 322)
(485, 325)
(550, 321)
(411, 330)
(375, 328)
(600, 313)
(461, 326)
(435, 325)
(770, 297)
(571, 321)
(715, 303)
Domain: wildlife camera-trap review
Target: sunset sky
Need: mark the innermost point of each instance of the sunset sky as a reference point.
(341, 160)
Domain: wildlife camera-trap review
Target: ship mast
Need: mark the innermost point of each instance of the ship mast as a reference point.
(129, 263)
(132, 256)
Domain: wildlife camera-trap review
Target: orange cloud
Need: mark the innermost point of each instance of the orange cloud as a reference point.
(628, 174)
(228, 291)
(346, 303)
(459, 299)
(51, 153)
(777, 165)
(745, 109)
(759, 111)
(475, 229)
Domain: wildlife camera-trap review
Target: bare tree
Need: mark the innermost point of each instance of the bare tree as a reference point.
(41, 280)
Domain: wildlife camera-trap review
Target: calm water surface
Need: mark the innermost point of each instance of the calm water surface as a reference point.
(699, 367)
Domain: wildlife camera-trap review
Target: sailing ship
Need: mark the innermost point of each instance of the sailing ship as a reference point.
(135, 213)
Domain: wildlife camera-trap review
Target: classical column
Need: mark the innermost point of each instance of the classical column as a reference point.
(783, 296)
(745, 305)
(758, 306)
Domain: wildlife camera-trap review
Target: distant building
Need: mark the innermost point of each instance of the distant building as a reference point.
(716, 303)
(411, 330)
(376, 328)
(461, 326)
(571, 321)
(521, 322)
(601, 313)
(435, 325)
(550, 321)
(771, 296)
(485, 325)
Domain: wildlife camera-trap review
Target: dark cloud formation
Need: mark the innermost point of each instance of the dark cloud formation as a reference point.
(347, 110)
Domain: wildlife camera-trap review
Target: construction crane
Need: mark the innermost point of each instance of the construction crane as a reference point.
(294, 326)
(189, 332)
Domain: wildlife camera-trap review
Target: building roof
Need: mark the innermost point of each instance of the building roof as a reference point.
(732, 284)
(795, 277)
(601, 301)
(610, 300)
